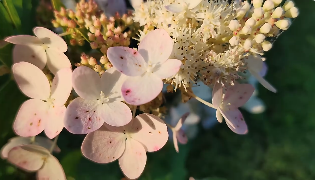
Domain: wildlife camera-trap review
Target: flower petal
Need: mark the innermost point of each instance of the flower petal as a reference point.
(181, 136)
(31, 80)
(133, 160)
(83, 116)
(136, 3)
(175, 8)
(235, 121)
(111, 82)
(61, 86)
(168, 69)
(30, 119)
(142, 89)
(55, 121)
(156, 46)
(50, 38)
(13, 142)
(254, 63)
(30, 53)
(86, 83)
(24, 40)
(115, 113)
(103, 145)
(56, 60)
(238, 95)
(181, 121)
(175, 141)
(217, 94)
(150, 130)
(218, 116)
(28, 157)
(192, 3)
(52, 169)
(263, 82)
(127, 60)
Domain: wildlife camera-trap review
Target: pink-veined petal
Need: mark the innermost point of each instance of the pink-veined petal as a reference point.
(217, 95)
(156, 46)
(61, 86)
(30, 119)
(52, 169)
(238, 95)
(133, 160)
(55, 121)
(23, 40)
(192, 3)
(235, 121)
(181, 136)
(111, 82)
(127, 60)
(142, 89)
(219, 116)
(31, 80)
(168, 69)
(83, 116)
(50, 39)
(181, 121)
(175, 8)
(56, 60)
(28, 157)
(263, 82)
(86, 83)
(103, 145)
(115, 113)
(150, 130)
(30, 53)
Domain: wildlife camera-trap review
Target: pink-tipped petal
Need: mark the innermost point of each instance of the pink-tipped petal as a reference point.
(127, 60)
(86, 83)
(61, 86)
(175, 8)
(31, 80)
(142, 89)
(31, 117)
(235, 121)
(55, 121)
(156, 46)
(30, 53)
(83, 116)
(103, 145)
(238, 95)
(181, 136)
(50, 39)
(217, 94)
(181, 121)
(133, 160)
(263, 82)
(115, 113)
(192, 3)
(23, 40)
(52, 169)
(219, 116)
(28, 157)
(56, 60)
(168, 69)
(150, 130)
(112, 81)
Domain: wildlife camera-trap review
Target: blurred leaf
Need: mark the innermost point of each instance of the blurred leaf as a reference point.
(57, 4)
(15, 19)
(6, 55)
(5, 23)
(70, 162)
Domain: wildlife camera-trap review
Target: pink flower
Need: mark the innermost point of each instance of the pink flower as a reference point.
(179, 134)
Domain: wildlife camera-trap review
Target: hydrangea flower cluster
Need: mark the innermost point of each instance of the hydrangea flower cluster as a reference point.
(181, 42)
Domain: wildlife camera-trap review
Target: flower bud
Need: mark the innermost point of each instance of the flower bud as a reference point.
(265, 28)
(73, 42)
(266, 45)
(108, 65)
(276, 2)
(97, 23)
(250, 22)
(246, 30)
(283, 24)
(63, 11)
(259, 38)
(268, 5)
(104, 59)
(277, 13)
(97, 68)
(258, 12)
(247, 44)
(288, 5)
(292, 13)
(92, 61)
(257, 3)
(94, 45)
(71, 14)
(170, 89)
(55, 23)
(71, 24)
(234, 25)
(80, 42)
(104, 49)
(91, 36)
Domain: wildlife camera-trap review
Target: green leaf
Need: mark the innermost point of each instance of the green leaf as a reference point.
(6, 25)
(70, 162)
(84, 33)
(57, 4)
(15, 19)
(6, 55)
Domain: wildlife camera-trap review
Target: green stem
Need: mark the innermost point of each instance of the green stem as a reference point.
(52, 147)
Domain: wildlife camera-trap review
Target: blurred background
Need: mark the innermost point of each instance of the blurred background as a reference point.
(280, 144)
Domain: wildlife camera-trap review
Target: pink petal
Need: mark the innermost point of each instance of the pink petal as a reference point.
(30, 53)
(83, 116)
(168, 69)
(192, 3)
(61, 86)
(31, 80)
(263, 82)
(115, 113)
(50, 38)
(127, 60)
(56, 60)
(142, 89)
(181, 136)
(175, 141)
(235, 121)
(24, 40)
(13, 142)
(175, 8)
(181, 121)
(55, 121)
(30, 119)
(133, 160)
(28, 157)
(217, 95)
(86, 83)
(52, 169)
(238, 95)
(103, 145)
(156, 46)
(219, 116)
(150, 130)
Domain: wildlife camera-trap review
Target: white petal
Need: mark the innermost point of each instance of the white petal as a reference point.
(238, 95)
(56, 60)
(136, 3)
(168, 69)
(111, 82)
(52, 169)
(219, 116)
(61, 86)
(50, 38)
(217, 94)
(254, 63)
(175, 8)
(115, 113)
(23, 40)
(192, 3)
(55, 122)
(13, 142)
(263, 82)
(30, 53)
(31, 80)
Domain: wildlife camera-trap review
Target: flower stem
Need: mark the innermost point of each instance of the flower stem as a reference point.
(32, 139)
(200, 100)
(134, 109)
(52, 147)
(64, 34)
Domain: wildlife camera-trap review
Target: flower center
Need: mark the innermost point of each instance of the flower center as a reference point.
(50, 102)
(103, 99)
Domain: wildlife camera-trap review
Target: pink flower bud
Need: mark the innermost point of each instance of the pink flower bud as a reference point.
(94, 45)
(91, 37)
(92, 61)
(71, 24)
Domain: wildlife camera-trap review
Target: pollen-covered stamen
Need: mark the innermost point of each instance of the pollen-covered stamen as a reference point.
(103, 99)
(50, 102)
